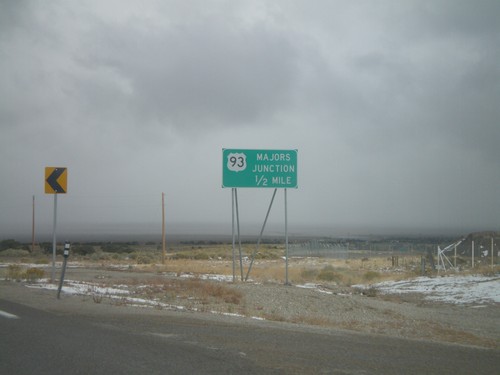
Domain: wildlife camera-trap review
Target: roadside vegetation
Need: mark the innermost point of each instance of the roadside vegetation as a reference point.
(201, 257)
(197, 276)
(15, 272)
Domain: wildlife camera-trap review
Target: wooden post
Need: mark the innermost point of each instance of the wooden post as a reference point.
(472, 254)
(455, 262)
(492, 247)
(33, 227)
(163, 228)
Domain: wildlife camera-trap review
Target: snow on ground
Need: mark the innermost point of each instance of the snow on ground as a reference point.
(83, 288)
(466, 289)
(213, 277)
(119, 292)
(316, 287)
(455, 289)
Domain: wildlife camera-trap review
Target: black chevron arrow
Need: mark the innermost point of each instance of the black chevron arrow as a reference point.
(52, 180)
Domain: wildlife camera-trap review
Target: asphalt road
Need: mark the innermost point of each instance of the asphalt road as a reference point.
(43, 342)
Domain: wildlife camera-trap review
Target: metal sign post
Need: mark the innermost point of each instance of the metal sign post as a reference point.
(54, 242)
(238, 231)
(258, 169)
(233, 234)
(286, 241)
(260, 235)
(66, 255)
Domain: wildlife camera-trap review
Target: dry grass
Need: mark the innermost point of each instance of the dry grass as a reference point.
(14, 272)
(34, 274)
(204, 295)
(199, 292)
(421, 330)
(17, 273)
(268, 266)
(181, 266)
(343, 272)
(451, 334)
(213, 291)
(312, 320)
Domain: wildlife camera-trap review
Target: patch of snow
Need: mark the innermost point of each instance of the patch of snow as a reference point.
(228, 314)
(308, 286)
(117, 292)
(207, 276)
(257, 318)
(466, 289)
(83, 288)
(316, 287)
(227, 278)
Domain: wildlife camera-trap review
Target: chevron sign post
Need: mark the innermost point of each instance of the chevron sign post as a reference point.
(56, 182)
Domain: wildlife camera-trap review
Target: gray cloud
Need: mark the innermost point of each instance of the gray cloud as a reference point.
(393, 108)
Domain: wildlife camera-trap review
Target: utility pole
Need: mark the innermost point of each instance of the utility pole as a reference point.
(33, 227)
(455, 261)
(492, 247)
(163, 228)
(472, 254)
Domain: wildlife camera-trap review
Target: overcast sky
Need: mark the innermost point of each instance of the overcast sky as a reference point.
(394, 107)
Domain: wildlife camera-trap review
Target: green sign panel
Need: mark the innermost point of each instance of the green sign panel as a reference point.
(259, 168)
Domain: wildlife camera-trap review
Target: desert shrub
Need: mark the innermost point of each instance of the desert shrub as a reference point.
(487, 271)
(14, 253)
(14, 272)
(371, 275)
(269, 254)
(143, 259)
(17, 273)
(34, 274)
(9, 244)
(209, 291)
(116, 248)
(370, 292)
(461, 261)
(100, 256)
(201, 256)
(221, 292)
(83, 249)
(181, 255)
(309, 273)
(328, 273)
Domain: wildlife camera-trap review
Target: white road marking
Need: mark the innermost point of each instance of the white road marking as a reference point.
(7, 315)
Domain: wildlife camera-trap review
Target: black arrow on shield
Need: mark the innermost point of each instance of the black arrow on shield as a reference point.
(52, 180)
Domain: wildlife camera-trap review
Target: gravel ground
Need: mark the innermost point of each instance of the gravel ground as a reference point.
(319, 307)
(404, 316)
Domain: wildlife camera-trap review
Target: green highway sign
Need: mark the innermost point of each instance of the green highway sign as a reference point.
(259, 168)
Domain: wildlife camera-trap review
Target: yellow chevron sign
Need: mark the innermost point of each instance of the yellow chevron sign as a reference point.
(56, 180)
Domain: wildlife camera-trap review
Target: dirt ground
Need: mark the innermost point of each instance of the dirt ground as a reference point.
(325, 306)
